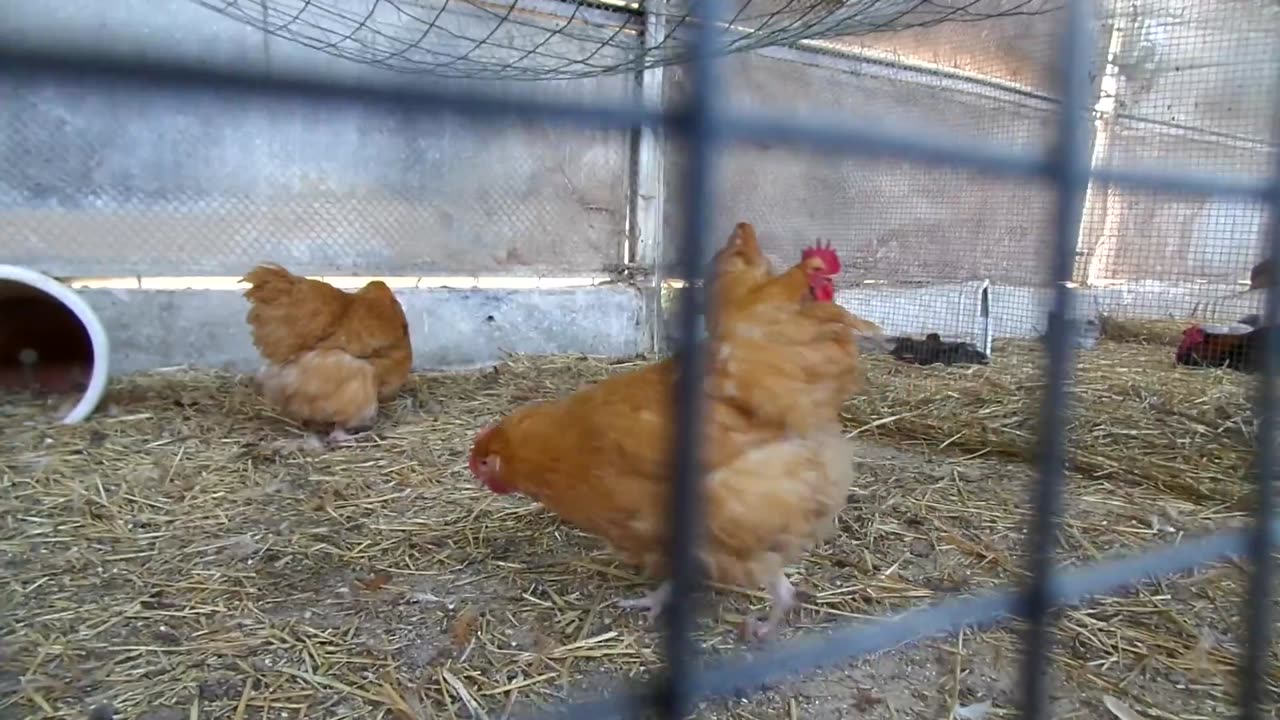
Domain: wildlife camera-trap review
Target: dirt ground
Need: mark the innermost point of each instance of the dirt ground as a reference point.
(168, 557)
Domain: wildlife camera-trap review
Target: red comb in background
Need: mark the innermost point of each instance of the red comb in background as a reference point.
(1193, 335)
(825, 253)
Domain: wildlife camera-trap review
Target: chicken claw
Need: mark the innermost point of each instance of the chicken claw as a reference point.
(783, 596)
(652, 602)
(340, 437)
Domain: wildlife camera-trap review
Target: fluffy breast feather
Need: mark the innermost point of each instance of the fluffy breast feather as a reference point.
(323, 386)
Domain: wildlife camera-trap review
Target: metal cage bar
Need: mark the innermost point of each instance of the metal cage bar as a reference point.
(1071, 179)
(699, 125)
(1262, 538)
(700, 130)
(850, 641)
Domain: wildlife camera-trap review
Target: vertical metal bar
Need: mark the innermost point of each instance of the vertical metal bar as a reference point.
(1262, 539)
(1097, 233)
(1071, 175)
(647, 248)
(700, 131)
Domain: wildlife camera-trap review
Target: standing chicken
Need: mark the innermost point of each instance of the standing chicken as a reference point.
(800, 381)
(600, 458)
(744, 276)
(331, 355)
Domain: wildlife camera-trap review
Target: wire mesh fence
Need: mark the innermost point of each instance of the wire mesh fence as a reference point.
(981, 203)
(163, 191)
(496, 40)
(919, 245)
(345, 193)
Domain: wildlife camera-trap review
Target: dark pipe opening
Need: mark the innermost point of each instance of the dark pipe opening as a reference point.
(44, 348)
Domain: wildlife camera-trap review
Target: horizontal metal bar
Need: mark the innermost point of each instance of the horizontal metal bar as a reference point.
(746, 674)
(869, 140)
(1183, 183)
(921, 144)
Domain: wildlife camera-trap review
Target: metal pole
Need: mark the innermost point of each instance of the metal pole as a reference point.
(700, 133)
(1262, 538)
(1070, 166)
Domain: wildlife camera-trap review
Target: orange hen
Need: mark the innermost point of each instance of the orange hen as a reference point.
(601, 457)
(756, 317)
(332, 356)
(744, 277)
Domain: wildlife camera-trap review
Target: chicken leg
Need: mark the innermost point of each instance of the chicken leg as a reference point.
(652, 602)
(783, 596)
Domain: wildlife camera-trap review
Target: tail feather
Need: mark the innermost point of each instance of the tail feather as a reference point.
(270, 283)
(288, 313)
(744, 235)
(864, 327)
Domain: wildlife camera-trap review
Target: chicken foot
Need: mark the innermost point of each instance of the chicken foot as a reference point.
(339, 436)
(652, 602)
(343, 435)
(316, 441)
(783, 596)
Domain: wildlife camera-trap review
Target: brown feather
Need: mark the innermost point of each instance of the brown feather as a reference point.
(315, 336)
(778, 465)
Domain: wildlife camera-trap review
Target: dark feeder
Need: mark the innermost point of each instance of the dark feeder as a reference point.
(51, 341)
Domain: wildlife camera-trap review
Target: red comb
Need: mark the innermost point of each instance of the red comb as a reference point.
(1190, 337)
(824, 253)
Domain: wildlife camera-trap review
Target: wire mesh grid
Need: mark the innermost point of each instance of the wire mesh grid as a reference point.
(341, 192)
(919, 246)
(705, 130)
(433, 37)
(1183, 86)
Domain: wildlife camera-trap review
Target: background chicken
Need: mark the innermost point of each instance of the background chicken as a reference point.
(740, 268)
(331, 355)
(1236, 351)
(933, 350)
(1260, 275)
(601, 457)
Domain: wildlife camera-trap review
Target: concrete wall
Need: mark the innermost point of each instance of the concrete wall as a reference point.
(109, 184)
(1017, 48)
(449, 328)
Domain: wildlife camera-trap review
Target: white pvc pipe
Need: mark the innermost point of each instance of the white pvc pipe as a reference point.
(87, 317)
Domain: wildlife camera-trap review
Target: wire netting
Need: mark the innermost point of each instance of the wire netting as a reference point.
(918, 245)
(130, 182)
(926, 248)
(92, 188)
(1175, 85)
(533, 40)
(1187, 85)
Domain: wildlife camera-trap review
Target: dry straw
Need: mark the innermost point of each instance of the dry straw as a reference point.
(183, 556)
(1164, 333)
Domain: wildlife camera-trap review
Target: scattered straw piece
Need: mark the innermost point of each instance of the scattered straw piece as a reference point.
(169, 558)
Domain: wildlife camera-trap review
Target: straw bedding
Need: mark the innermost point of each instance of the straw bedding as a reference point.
(182, 556)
